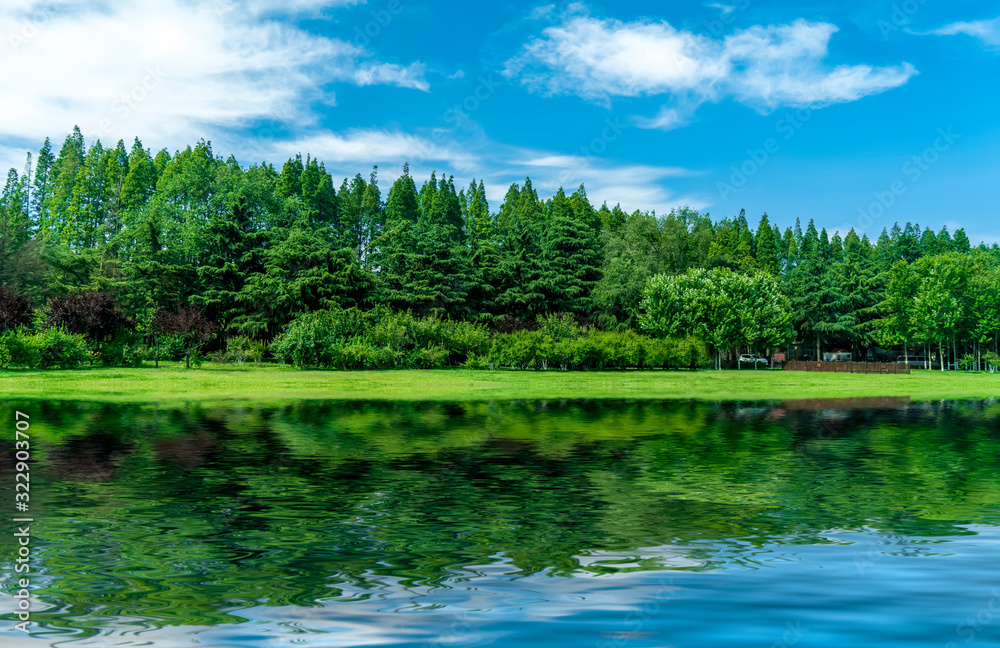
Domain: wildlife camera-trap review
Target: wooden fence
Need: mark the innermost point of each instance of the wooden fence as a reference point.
(848, 367)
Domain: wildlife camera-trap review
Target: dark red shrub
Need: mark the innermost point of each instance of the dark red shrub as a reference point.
(15, 309)
(92, 314)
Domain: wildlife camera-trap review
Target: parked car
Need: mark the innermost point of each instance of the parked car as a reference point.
(917, 362)
(753, 359)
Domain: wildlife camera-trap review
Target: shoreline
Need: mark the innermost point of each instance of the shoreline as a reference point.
(172, 384)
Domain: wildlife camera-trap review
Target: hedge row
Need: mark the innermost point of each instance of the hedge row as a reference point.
(593, 350)
(352, 339)
(377, 339)
(54, 348)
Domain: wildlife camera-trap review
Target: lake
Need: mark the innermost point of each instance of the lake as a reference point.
(869, 522)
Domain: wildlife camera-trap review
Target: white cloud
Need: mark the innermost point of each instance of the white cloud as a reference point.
(284, 6)
(635, 186)
(783, 65)
(763, 66)
(172, 71)
(364, 147)
(987, 31)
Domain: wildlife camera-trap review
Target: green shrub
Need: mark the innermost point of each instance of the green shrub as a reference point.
(391, 330)
(432, 357)
(521, 350)
(62, 350)
(125, 350)
(172, 347)
(588, 353)
(241, 349)
(559, 326)
(477, 362)
(310, 340)
(20, 349)
(464, 339)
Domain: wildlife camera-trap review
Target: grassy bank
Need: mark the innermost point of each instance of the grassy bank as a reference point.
(172, 383)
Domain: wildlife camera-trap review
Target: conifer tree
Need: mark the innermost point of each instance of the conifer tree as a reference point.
(571, 258)
(768, 259)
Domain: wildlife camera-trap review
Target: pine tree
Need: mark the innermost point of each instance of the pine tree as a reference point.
(789, 251)
(571, 259)
(836, 248)
(584, 211)
(768, 259)
(929, 245)
(477, 223)
(290, 182)
(519, 237)
(301, 274)
(42, 188)
(319, 198)
(140, 180)
(87, 212)
(944, 241)
(825, 252)
(961, 242)
(743, 255)
(14, 219)
(673, 242)
(64, 173)
(233, 240)
(815, 295)
(116, 168)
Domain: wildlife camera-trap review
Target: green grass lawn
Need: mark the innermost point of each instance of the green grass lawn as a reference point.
(172, 383)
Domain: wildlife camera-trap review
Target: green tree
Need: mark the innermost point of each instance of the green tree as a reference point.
(768, 259)
(570, 258)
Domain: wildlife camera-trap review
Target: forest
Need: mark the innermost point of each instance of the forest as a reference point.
(123, 255)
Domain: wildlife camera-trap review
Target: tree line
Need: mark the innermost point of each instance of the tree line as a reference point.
(250, 250)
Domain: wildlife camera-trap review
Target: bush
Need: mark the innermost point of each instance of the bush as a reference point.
(595, 350)
(559, 326)
(476, 362)
(91, 314)
(310, 340)
(190, 324)
(60, 349)
(15, 310)
(125, 350)
(521, 350)
(18, 348)
(382, 339)
(378, 339)
(433, 357)
(241, 349)
(992, 360)
(171, 347)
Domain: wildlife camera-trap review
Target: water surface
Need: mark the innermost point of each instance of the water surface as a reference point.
(817, 523)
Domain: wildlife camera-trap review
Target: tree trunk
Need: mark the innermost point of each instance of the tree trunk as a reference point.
(941, 354)
(819, 353)
(157, 338)
(187, 359)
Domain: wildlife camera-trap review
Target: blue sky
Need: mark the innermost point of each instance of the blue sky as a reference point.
(856, 114)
